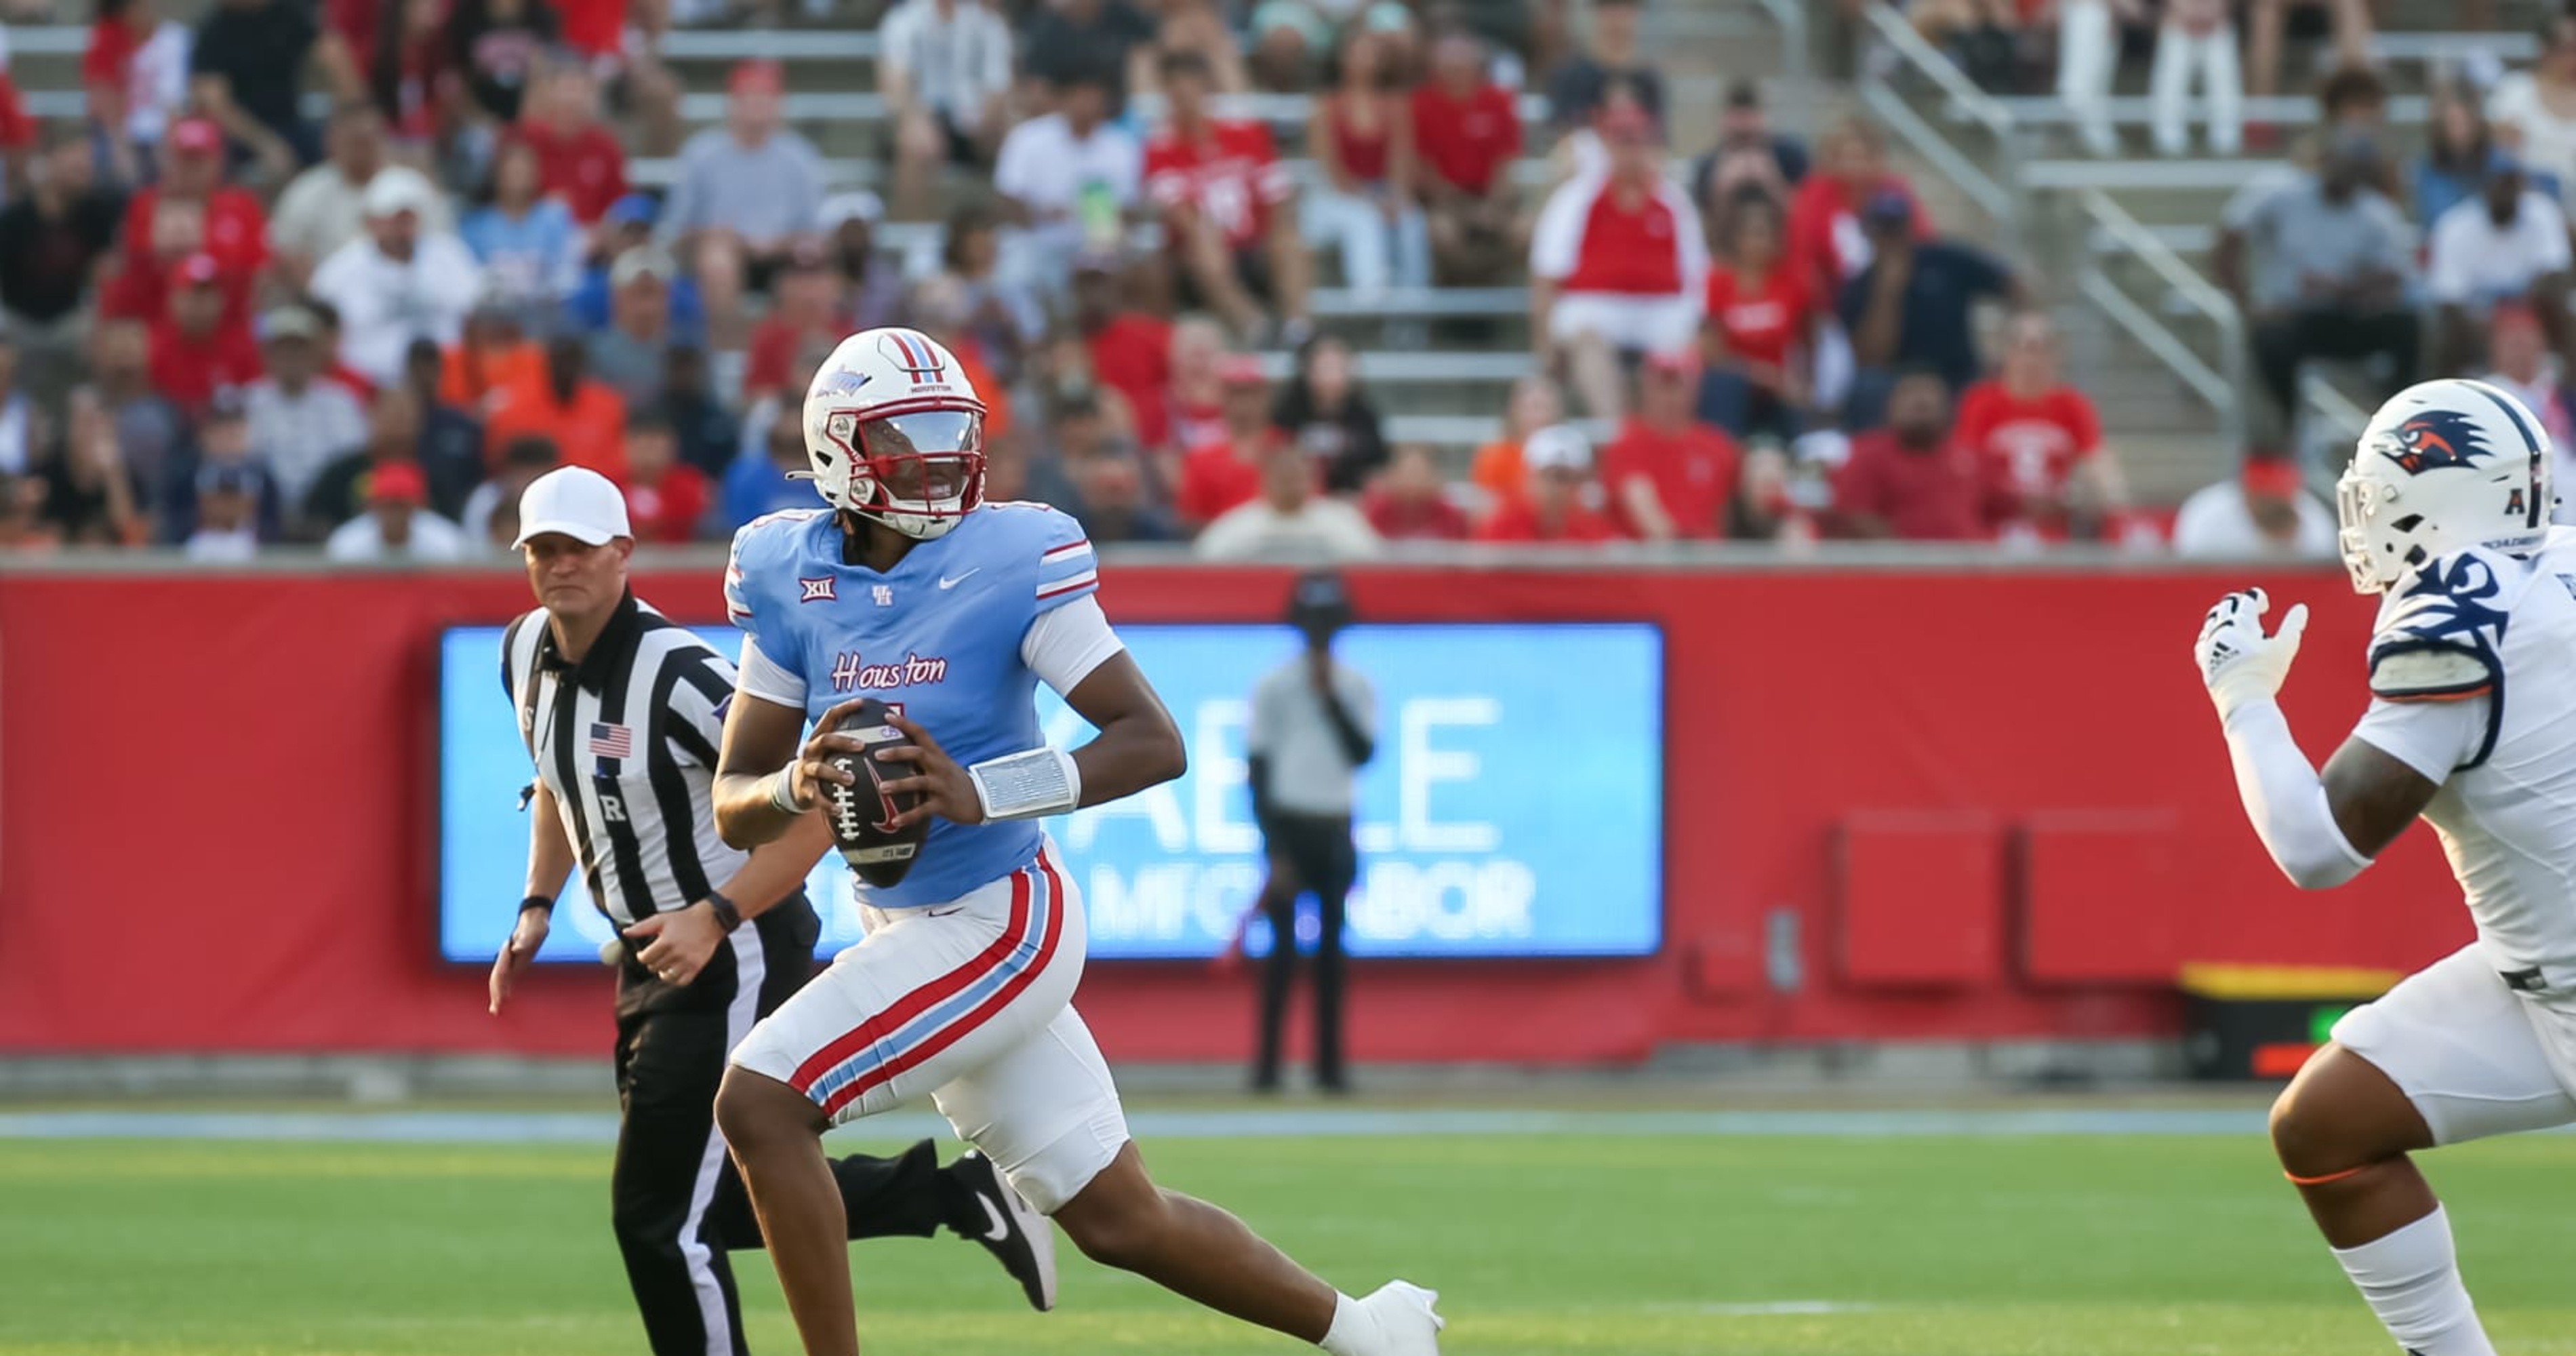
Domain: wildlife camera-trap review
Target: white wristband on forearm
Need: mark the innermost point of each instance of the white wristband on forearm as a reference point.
(1031, 785)
(782, 791)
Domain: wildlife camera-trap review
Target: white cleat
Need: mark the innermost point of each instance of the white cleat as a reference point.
(1406, 1323)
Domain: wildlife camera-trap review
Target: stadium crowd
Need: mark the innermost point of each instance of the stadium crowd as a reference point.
(231, 327)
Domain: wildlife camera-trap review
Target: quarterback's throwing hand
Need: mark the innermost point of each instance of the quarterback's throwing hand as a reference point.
(2240, 663)
(944, 787)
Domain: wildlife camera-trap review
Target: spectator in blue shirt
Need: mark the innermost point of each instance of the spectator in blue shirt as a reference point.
(1915, 304)
(529, 245)
(757, 481)
(628, 225)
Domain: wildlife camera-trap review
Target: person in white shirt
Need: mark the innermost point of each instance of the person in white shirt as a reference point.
(396, 526)
(2263, 511)
(1313, 727)
(398, 282)
(2525, 108)
(946, 69)
(299, 423)
(1289, 521)
(1068, 179)
(2508, 244)
(1618, 264)
(325, 207)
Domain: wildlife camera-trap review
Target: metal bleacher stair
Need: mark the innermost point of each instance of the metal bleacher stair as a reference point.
(2121, 244)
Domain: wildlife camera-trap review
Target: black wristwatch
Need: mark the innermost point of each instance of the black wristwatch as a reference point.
(537, 902)
(726, 914)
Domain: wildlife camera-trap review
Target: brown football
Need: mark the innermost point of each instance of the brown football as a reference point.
(862, 814)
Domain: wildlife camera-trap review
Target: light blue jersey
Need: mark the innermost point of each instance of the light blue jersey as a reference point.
(938, 636)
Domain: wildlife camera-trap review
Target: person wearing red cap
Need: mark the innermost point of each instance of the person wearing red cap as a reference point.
(2041, 437)
(397, 524)
(1227, 206)
(1618, 264)
(1669, 477)
(746, 195)
(2264, 510)
(191, 211)
(198, 347)
(1224, 472)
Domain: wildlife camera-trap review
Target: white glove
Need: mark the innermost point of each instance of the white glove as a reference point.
(2240, 663)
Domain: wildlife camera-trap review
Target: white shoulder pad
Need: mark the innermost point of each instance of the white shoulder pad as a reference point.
(2441, 632)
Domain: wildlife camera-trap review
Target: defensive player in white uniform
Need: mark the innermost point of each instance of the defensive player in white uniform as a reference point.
(912, 590)
(2472, 725)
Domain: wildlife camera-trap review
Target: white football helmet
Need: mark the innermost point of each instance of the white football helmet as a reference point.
(2444, 465)
(893, 430)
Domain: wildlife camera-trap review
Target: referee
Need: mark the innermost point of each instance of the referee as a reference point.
(1313, 728)
(621, 710)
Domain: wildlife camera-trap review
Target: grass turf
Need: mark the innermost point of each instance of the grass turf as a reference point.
(2087, 1246)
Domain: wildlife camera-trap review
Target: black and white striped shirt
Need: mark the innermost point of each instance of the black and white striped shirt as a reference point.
(626, 740)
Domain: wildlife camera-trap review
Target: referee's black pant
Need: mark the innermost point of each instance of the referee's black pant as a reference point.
(678, 1205)
(1321, 859)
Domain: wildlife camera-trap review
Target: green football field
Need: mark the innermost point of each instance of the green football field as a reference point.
(2096, 1245)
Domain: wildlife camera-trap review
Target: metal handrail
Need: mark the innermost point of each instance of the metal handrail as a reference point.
(1997, 193)
(2220, 387)
(1799, 114)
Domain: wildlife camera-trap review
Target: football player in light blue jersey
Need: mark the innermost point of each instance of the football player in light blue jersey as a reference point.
(911, 590)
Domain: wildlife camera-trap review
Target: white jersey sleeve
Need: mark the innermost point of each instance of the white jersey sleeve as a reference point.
(2434, 738)
(1066, 643)
(767, 679)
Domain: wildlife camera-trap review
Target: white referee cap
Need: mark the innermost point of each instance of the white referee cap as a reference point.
(576, 501)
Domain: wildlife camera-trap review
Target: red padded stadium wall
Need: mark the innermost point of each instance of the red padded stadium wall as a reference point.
(215, 817)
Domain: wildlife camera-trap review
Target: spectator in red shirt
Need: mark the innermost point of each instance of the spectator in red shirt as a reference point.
(1361, 131)
(1827, 246)
(1550, 506)
(1130, 351)
(1469, 131)
(199, 348)
(809, 308)
(578, 158)
(413, 74)
(665, 497)
(1618, 264)
(2041, 439)
(1760, 331)
(1226, 471)
(1227, 206)
(1911, 479)
(191, 211)
(1411, 501)
(1669, 477)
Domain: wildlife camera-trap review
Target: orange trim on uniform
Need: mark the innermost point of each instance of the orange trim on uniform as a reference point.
(2297, 1180)
(2441, 696)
